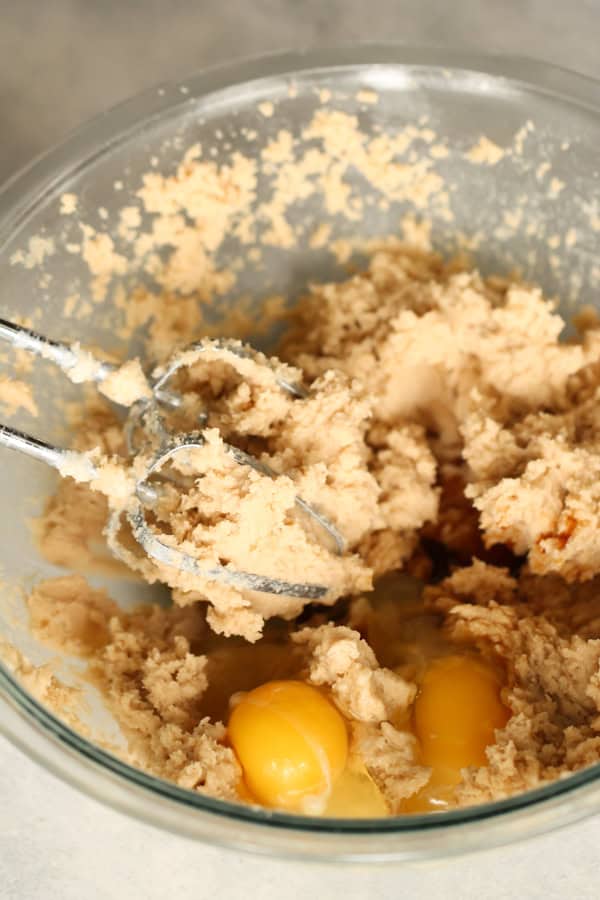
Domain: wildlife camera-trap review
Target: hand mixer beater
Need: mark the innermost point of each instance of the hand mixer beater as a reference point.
(152, 448)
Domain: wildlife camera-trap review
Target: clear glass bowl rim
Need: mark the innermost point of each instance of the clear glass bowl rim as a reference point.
(56, 747)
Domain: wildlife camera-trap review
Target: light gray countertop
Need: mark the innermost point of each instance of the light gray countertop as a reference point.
(60, 63)
(57, 844)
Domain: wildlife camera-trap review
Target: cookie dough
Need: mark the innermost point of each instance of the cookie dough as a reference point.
(233, 515)
(535, 479)
(452, 439)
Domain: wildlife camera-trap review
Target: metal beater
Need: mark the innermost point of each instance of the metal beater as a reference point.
(146, 418)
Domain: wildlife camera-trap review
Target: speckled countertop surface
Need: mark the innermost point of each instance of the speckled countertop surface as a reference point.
(60, 63)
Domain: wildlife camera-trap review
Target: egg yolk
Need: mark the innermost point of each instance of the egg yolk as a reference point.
(457, 710)
(291, 743)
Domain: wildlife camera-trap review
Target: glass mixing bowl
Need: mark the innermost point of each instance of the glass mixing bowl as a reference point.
(529, 205)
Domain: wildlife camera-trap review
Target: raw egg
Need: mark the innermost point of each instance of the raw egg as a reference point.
(292, 744)
(456, 713)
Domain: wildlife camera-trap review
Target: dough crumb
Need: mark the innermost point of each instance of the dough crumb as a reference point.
(339, 658)
(16, 395)
(266, 109)
(485, 151)
(127, 384)
(68, 204)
